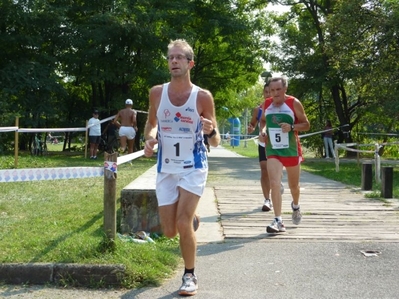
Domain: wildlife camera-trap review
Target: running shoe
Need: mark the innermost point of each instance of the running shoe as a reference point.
(267, 205)
(276, 227)
(189, 286)
(196, 222)
(296, 214)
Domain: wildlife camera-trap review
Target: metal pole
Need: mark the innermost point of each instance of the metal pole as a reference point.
(86, 138)
(246, 127)
(377, 164)
(16, 145)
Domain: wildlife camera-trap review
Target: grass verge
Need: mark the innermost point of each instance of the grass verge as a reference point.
(61, 221)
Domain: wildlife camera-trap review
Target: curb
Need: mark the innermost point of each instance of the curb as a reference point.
(57, 273)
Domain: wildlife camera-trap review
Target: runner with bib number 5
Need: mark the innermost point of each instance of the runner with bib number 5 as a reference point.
(283, 117)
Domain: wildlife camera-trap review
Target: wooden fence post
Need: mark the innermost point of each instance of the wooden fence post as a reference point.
(110, 197)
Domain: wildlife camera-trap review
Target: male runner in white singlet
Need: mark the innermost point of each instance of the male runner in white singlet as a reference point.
(179, 115)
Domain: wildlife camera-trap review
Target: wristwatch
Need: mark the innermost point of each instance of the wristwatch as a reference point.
(213, 133)
(292, 127)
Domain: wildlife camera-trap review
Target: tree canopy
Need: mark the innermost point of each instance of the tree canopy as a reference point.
(342, 59)
(60, 59)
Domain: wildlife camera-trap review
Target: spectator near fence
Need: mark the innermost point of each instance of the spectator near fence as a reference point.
(328, 140)
(227, 136)
(94, 134)
(128, 126)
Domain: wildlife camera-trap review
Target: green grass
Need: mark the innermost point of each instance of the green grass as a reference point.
(350, 172)
(247, 149)
(62, 221)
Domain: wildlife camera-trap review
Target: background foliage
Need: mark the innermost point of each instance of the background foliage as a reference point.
(60, 59)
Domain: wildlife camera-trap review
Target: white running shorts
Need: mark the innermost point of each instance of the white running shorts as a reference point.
(167, 185)
(129, 132)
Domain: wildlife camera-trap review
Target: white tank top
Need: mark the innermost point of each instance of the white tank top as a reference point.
(180, 137)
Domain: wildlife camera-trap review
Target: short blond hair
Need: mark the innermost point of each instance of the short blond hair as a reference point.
(184, 45)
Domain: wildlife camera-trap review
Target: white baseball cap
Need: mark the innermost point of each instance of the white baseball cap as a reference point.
(129, 102)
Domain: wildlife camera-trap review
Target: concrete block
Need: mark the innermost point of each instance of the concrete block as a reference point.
(31, 273)
(79, 275)
(139, 206)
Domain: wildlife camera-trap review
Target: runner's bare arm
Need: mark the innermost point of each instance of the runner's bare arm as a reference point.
(262, 125)
(254, 121)
(303, 123)
(206, 109)
(150, 129)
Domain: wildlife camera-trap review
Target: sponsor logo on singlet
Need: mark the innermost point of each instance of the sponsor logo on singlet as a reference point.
(184, 119)
(185, 130)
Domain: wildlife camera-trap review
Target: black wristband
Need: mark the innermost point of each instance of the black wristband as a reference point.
(292, 127)
(213, 133)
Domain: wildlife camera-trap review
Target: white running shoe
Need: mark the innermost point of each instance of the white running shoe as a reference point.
(267, 205)
(189, 286)
(276, 227)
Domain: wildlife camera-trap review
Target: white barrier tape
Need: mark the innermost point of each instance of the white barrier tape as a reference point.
(384, 134)
(346, 144)
(8, 129)
(341, 145)
(126, 158)
(42, 130)
(355, 150)
(40, 174)
(38, 130)
(366, 144)
(320, 132)
(132, 156)
(107, 119)
(307, 135)
(140, 111)
(101, 121)
(388, 143)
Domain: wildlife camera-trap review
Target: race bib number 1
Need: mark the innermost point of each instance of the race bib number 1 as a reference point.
(278, 139)
(177, 151)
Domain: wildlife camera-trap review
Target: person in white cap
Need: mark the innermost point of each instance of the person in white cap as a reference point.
(127, 118)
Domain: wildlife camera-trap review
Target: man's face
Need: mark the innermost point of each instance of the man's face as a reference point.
(277, 90)
(266, 92)
(178, 62)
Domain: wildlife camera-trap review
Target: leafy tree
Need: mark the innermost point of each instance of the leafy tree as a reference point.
(60, 59)
(337, 54)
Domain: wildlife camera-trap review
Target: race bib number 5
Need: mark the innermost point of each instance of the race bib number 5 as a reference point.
(278, 139)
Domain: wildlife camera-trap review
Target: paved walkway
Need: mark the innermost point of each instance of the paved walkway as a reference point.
(345, 247)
